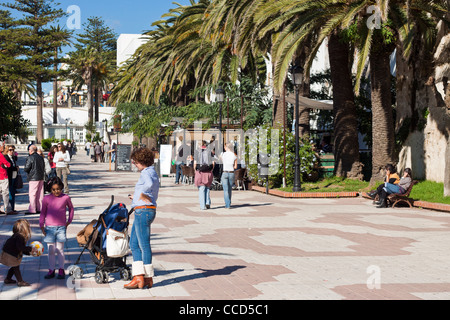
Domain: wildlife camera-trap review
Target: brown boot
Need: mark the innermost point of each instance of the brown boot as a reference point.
(137, 282)
(148, 282)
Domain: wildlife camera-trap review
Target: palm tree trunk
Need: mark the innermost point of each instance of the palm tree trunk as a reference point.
(39, 109)
(382, 114)
(346, 146)
(55, 92)
(89, 102)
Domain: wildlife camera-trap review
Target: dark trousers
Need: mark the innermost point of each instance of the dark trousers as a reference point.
(14, 271)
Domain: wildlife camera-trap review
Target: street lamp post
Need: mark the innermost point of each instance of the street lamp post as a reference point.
(297, 77)
(220, 97)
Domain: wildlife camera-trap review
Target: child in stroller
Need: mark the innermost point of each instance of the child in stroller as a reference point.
(94, 238)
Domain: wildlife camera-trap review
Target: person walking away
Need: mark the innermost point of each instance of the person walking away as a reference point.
(182, 153)
(144, 204)
(229, 161)
(14, 249)
(87, 148)
(113, 152)
(13, 171)
(204, 167)
(35, 168)
(62, 159)
(4, 182)
(53, 222)
(98, 152)
(106, 152)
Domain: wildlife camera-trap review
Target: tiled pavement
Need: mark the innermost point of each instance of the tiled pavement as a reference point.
(264, 248)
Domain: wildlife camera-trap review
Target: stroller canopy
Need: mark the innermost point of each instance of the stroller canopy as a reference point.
(115, 218)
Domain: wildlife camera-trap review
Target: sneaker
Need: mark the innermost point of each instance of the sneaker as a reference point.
(61, 274)
(50, 274)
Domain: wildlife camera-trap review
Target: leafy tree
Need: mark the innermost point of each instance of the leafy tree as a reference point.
(35, 40)
(11, 120)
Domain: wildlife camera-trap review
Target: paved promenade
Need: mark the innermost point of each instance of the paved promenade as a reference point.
(264, 248)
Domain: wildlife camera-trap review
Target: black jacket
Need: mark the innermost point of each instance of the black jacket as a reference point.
(35, 167)
(13, 167)
(16, 246)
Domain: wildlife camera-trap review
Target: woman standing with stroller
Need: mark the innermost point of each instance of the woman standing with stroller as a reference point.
(144, 205)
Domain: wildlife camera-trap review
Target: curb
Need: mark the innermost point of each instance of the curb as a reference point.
(295, 195)
(432, 206)
(285, 194)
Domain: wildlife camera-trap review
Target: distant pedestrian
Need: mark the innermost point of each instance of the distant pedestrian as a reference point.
(14, 249)
(53, 222)
(35, 168)
(13, 170)
(62, 160)
(98, 152)
(229, 161)
(144, 205)
(87, 147)
(51, 157)
(204, 167)
(113, 152)
(4, 182)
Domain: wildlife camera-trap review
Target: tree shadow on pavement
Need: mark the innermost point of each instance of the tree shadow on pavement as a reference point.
(205, 273)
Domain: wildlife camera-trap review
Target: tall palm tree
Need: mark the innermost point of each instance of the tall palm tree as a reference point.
(61, 38)
(84, 64)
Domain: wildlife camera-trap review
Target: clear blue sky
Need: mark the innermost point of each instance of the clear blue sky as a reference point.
(135, 16)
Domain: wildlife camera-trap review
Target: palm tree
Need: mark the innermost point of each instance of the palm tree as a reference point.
(84, 63)
(61, 38)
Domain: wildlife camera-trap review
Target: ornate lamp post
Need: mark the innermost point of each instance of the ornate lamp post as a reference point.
(220, 97)
(297, 77)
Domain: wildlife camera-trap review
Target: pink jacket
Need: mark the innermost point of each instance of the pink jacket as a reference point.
(3, 172)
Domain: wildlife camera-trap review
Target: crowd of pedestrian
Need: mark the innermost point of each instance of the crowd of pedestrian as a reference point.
(50, 174)
(100, 151)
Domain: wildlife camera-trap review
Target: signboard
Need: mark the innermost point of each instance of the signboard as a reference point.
(165, 159)
(123, 157)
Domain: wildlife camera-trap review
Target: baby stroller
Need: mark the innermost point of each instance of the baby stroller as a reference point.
(93, 238)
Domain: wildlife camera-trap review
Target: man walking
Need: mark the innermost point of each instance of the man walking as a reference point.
(35, 168)
(4, 184)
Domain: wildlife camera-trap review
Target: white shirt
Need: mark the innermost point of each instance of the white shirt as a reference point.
(228, 159)
(59, 155)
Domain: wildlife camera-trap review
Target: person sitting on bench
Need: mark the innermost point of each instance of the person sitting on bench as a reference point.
(400, 188)
(390, 177)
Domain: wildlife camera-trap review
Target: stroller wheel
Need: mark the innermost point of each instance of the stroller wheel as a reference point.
(125, 274)
(101, 277)
(75, 271)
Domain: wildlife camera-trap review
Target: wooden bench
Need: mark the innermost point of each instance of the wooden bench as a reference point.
(396, 198)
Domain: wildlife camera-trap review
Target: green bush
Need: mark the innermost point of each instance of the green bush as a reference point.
(308, 158)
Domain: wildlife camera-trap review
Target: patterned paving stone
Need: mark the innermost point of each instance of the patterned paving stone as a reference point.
(264, 248)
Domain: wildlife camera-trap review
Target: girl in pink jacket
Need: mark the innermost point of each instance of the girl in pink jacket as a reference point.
(54, 222)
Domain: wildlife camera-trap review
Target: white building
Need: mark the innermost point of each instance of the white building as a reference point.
(127, 44)
(71, 122)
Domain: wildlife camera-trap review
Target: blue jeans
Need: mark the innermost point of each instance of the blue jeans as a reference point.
(391, 188)
(179, 172)
(12, 194)
(227, 184)
(204, 197)
(140, 235)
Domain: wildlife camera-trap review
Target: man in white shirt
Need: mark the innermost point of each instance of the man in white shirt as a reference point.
(229, 162)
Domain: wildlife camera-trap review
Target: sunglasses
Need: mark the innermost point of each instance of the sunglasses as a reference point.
(11, 150)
